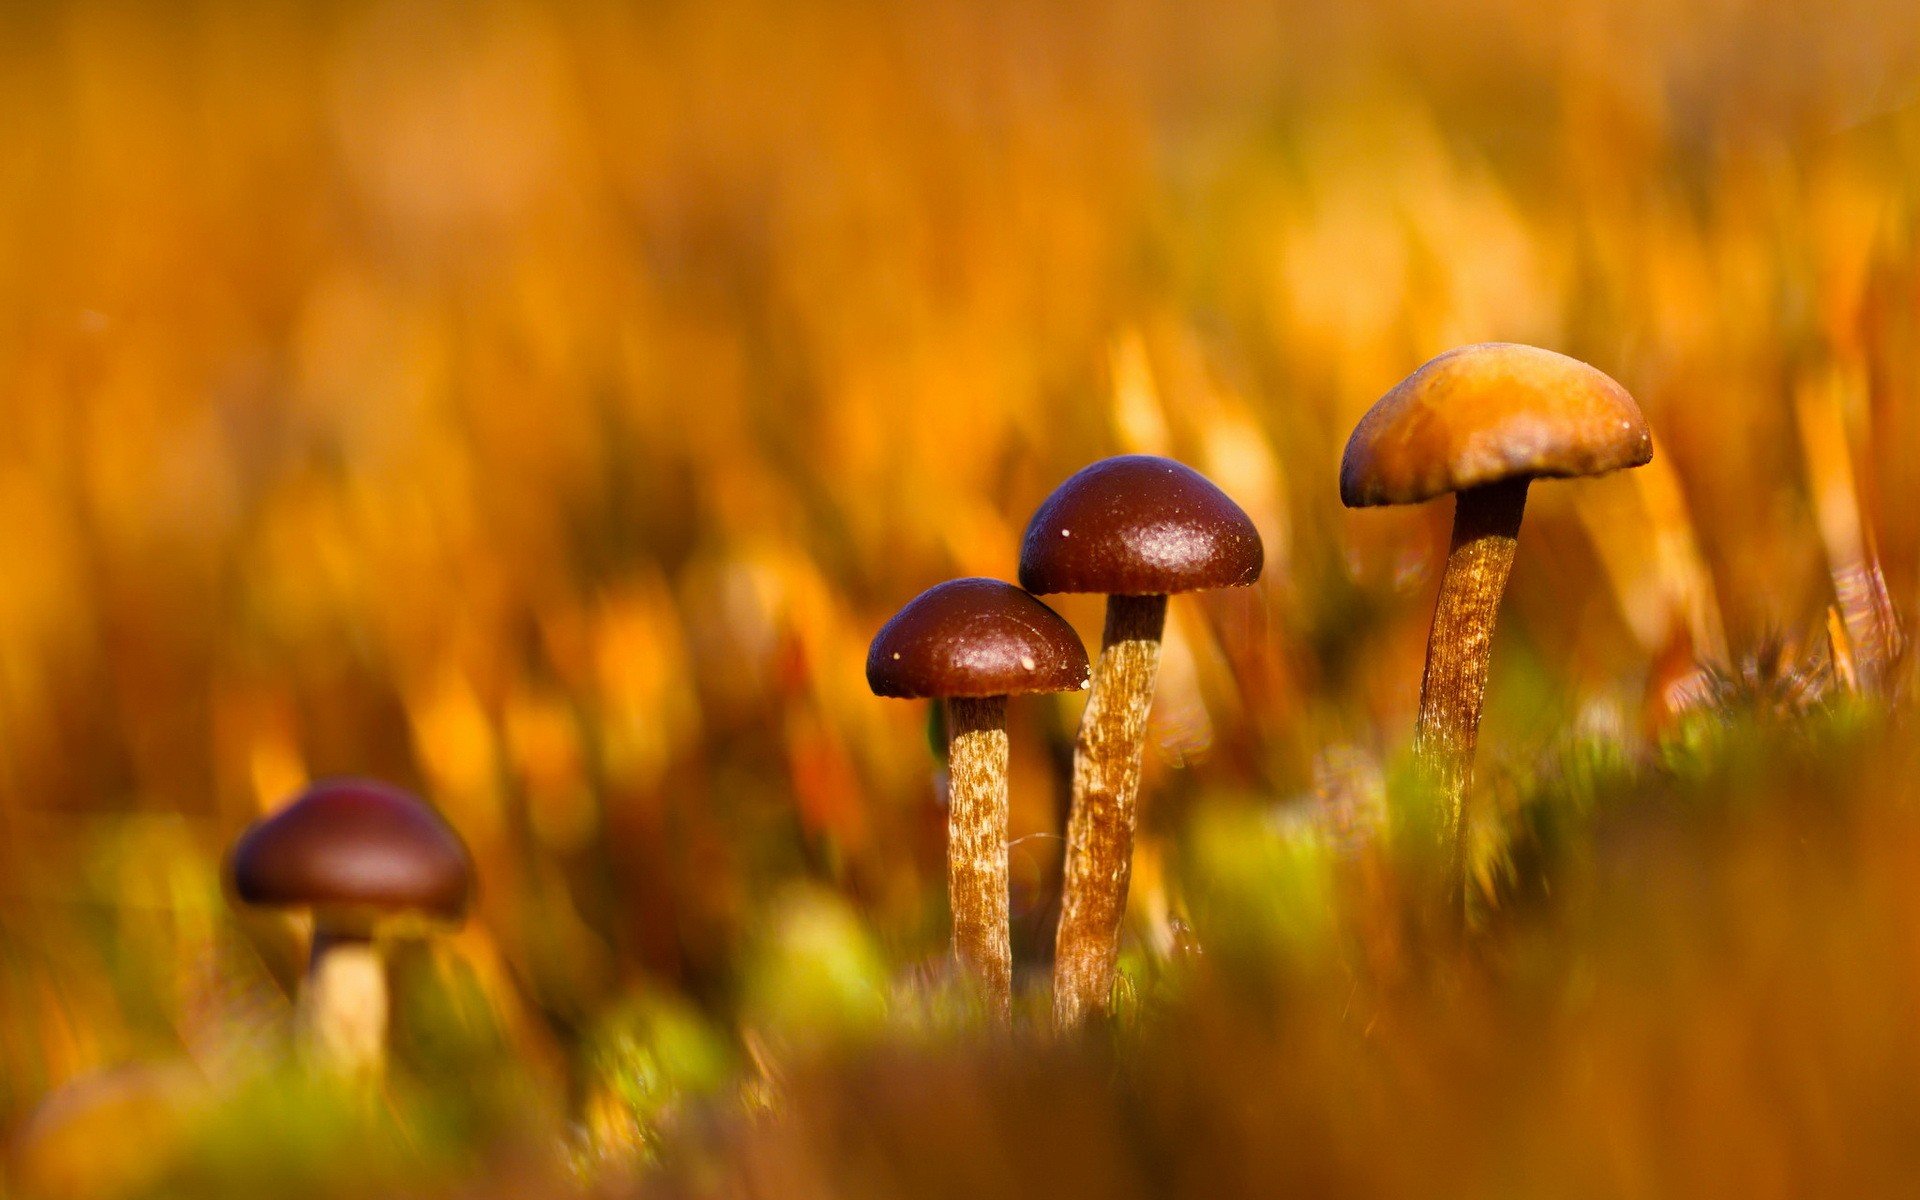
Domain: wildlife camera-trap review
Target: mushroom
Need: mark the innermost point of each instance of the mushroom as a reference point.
(1135, 529)
(972, 643)
(362, 856)
(1481, 422)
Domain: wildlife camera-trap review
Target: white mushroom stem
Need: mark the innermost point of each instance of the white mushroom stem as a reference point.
(1106, 781)
(977, 846)
(343, 1012)
(1486, 530)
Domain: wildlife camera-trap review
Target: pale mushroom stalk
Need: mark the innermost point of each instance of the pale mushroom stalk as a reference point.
(1486, 531)
(977, 845)
(1100, 824)
(343, 1011)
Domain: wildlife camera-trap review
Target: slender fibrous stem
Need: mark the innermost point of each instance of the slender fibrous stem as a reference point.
(343, 1011)
(977, 846)
(1106, 781)
(1486, 529)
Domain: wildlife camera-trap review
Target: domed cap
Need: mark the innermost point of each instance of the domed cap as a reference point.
(1137, 525)
(355, 844)
(975, 637)
(1487, 413)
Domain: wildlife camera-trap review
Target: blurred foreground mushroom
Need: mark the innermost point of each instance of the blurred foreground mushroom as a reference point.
(362, 856)
(1481, 422)
(1135, 529)
(973, 643)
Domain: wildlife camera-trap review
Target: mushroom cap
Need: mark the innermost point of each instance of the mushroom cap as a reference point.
(1487, 413)
(975, 637)
(1138, 525)
(354, 844)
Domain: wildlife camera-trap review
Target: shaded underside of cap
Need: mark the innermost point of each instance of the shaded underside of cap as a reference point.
(1487, 413)
(1138, 525)
(354, 844)
(975, 637)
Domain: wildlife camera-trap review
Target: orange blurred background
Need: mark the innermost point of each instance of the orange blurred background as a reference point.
(540, 405)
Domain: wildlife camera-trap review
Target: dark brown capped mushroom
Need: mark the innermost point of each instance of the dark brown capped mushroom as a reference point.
(1138, 525)
(972, 643)
(354, 844)
(1135, 529)
(975, 638)
(357, 853)
(1482, 422)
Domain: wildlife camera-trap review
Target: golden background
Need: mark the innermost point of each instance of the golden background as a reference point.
(540, 405)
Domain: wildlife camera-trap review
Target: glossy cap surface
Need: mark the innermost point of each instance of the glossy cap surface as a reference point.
(1489, 413)
(354, 843)
(975, 637)
(1138, 525)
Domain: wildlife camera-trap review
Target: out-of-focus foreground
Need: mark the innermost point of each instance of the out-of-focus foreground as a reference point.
(540, 406)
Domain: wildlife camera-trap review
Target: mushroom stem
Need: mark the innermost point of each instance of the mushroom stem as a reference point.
(343, 1011)
(977, 846)
(1486, 530)
(1106, 780)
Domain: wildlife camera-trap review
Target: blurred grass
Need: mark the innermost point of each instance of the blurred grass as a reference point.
(1706, 988)
(540, 404)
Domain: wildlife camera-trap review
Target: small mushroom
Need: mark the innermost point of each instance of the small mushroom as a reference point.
(1135, 529)
(1481, 422)
(361, 855)
(972, 643)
